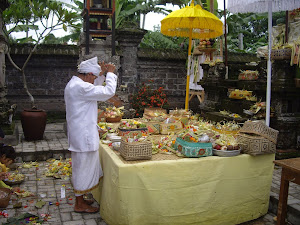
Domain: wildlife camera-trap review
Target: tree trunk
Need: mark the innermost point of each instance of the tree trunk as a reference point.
(2, 54)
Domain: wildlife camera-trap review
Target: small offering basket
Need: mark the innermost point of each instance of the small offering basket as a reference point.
(5, 194)
(135, 150)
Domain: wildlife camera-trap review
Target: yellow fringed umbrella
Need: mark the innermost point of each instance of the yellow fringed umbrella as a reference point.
(193, 22)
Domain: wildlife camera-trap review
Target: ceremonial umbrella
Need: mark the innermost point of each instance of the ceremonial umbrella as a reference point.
(193, 22)
(261, 6)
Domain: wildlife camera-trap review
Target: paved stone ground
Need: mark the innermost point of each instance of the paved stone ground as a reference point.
(60, 209)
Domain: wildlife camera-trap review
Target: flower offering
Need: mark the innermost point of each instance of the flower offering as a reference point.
(113, 112)
(131, 124)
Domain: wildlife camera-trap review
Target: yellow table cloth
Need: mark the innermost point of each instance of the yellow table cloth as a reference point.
(209, 190)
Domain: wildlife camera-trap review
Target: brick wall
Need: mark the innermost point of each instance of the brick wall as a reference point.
(47, 74)
(52, 66)
(49, 70)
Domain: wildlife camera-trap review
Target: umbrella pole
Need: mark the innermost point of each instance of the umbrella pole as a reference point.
(225, 37)
(187, 91)
(269, 65)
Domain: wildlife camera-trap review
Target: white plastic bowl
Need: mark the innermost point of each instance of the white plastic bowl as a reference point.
(116, 145)
(115, 138)
(226, 153)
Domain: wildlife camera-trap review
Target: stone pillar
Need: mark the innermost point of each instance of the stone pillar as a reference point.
(6, 110)
(3, 47)
(97, 47)
(128, 40)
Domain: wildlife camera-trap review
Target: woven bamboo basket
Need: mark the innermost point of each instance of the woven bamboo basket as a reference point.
(280, 54)
(261, 129)
(255, 145)
(135, 150)
(166, 128)
(5, 194)
(150, 113)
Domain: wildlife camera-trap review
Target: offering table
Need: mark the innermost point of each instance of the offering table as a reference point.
(208, 190)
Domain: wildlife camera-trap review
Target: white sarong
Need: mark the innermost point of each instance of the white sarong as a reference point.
(86, 171)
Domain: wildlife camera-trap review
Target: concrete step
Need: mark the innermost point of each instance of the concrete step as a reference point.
(54, 145)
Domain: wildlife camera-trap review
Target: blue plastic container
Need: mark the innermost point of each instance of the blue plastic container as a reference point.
(193, 149)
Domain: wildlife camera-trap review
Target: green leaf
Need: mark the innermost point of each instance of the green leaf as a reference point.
(65, 27)
(39, 204)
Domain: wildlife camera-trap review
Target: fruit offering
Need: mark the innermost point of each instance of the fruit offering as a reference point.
(248, 75)
(15, 177)
(225, 142)
(194, 134)
(107, 127)
(206, 43)
(113, 112)
(131, 124)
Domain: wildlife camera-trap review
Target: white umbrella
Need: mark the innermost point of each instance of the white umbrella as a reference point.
(261, 6)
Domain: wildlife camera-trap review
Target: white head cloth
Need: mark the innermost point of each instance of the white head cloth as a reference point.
(90, 66)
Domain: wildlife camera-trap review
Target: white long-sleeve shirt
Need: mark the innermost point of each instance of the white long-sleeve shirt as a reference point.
(81, 110)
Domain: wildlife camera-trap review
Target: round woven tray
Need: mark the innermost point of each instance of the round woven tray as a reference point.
(113, 120)
(13, 181)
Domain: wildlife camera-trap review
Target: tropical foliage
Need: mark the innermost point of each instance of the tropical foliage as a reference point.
(156, 40)
(42, 17)
(128, 12)
(254, 28)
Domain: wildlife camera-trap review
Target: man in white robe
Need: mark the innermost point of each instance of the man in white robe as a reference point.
(81, 95)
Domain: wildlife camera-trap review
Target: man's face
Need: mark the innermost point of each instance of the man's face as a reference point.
(90, 78)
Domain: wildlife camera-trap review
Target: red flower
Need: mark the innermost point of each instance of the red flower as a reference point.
(147, 97)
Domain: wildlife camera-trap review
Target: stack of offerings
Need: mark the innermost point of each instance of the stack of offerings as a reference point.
(170, 125)
(154, 116)
(192, 143)
(150, 113)
(239, 94)
(132, 128)
(181, 115)
(256, 138)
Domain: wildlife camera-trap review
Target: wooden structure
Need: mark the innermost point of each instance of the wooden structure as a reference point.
(99, 20)
(290, 173)
(200, 95)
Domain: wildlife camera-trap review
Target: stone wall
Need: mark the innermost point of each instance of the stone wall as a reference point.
(47, 74)
(52, 66)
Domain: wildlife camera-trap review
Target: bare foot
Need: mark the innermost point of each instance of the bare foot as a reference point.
(86, 209)
(88, 201)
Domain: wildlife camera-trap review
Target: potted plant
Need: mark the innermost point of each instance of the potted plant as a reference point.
(23, 16)
(146, 97)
